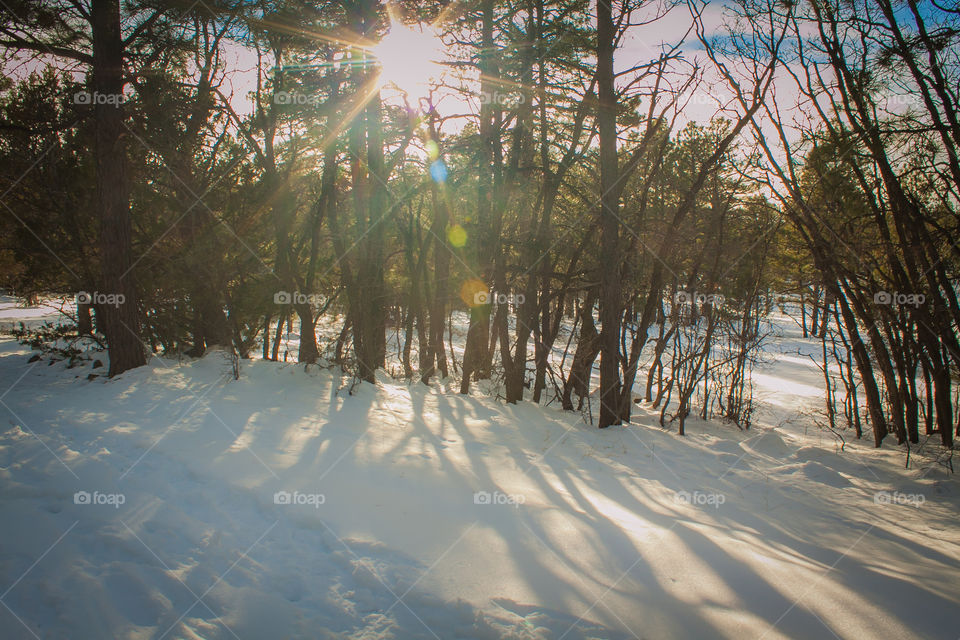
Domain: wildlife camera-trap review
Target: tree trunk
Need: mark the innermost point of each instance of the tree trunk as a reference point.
(309, 352)
(84, 320)
(609, 223)
(588, 345)
(119, 322)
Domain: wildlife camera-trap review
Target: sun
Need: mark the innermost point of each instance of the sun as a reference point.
(408, 58)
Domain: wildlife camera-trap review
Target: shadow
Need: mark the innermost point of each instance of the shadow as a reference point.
(591, 539)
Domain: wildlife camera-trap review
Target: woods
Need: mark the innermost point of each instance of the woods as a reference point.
(611, 198)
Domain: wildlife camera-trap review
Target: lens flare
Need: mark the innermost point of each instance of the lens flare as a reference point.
(475, 293)
(408, 58)
(457, 236)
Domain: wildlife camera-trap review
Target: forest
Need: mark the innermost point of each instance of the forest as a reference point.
(601, 208)
(226, 168)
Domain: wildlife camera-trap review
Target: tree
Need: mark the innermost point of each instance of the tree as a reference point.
(609, 222)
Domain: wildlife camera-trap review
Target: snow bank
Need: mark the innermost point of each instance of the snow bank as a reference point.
(282, 505)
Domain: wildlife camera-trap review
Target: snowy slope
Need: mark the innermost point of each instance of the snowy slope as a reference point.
(291, 504)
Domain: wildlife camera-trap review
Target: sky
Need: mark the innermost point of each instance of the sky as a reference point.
(640, 44)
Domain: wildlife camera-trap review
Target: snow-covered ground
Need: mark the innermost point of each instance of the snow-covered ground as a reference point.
(176, 502)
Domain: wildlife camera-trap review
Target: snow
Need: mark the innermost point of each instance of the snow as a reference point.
(13, 312)
(293, 504)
